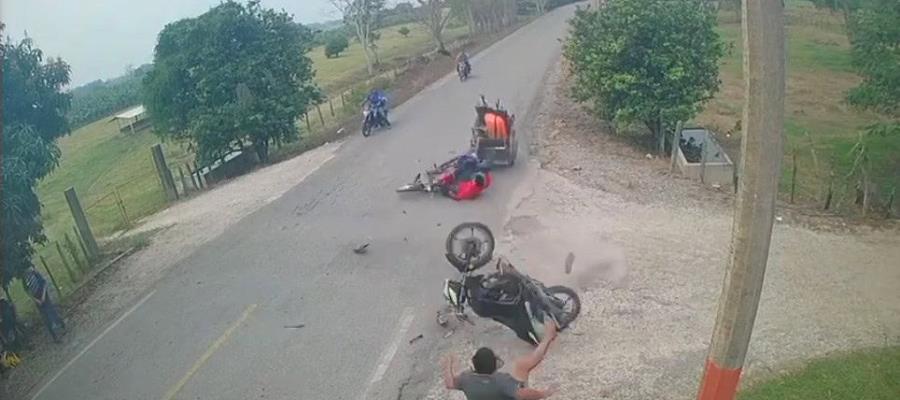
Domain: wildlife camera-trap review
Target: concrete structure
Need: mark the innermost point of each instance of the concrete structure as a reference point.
(132, 120)
(714, 168)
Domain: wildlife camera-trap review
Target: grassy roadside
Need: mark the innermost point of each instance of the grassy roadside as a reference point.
(819, 124)
(870, 375)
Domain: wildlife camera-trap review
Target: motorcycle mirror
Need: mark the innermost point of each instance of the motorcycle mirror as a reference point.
(570, 259)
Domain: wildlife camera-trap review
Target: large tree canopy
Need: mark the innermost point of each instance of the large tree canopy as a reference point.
(234, 76)
(34, 109)
(649, 61)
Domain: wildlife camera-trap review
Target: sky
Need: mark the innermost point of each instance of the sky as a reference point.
(99, 38)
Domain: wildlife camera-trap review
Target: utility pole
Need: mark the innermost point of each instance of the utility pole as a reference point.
(762, 147)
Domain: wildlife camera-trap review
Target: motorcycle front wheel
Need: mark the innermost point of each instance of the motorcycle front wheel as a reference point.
(567, 300)
(470, 243)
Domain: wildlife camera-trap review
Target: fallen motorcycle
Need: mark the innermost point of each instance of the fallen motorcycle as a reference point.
(507, 296)
(433, 181)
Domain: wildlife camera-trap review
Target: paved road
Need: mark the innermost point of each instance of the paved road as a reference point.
(214, 328)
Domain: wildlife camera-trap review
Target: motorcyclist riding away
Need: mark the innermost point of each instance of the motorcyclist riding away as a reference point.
(463, 58)
(378, 103)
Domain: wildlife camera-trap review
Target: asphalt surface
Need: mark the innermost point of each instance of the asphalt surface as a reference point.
(215, 326)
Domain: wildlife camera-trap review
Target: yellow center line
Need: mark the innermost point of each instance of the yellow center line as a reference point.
(209, 352)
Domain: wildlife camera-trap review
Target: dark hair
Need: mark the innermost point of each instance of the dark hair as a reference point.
(484, 361)
(480, 179)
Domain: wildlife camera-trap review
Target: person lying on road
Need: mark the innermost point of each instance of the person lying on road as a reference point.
(485, 383)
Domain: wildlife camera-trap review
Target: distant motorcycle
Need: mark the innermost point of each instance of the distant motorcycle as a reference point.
(463, 69)
(507, 296)
(373, 119)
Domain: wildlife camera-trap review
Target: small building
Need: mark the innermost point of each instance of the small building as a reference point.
(132, 120)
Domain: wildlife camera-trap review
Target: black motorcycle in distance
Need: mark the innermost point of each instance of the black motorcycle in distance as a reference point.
(507, 296)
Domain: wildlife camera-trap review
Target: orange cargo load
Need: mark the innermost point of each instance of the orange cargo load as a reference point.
(496, 126)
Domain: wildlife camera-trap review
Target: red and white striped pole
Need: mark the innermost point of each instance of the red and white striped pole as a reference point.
(762, 147)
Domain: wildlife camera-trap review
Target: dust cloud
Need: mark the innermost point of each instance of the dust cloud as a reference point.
(542, 252)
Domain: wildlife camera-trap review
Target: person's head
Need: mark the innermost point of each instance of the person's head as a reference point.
(484, 361)
(480, 180)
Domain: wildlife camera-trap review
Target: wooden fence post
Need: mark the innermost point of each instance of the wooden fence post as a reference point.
(165, 174)
(80, 243)
(122, 208)
(331, 107)
(703, 157)
(50, 274)
(793, 173)
(830, 194)
(193, 177)
(184, 184)
(343, 101)
(84, 228)
(308, 125)
(321, 118)
(72, 277)
(890, 204)
(200, 181)
(676, 143)
(70, 246)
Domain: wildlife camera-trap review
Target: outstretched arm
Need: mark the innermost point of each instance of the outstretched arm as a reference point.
(533, 394)
(449, 374)
(525, 364)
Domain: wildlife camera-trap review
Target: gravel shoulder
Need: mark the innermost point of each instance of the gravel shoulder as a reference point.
(650, 255)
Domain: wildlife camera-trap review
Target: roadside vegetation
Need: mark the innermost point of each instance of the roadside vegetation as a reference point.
(644, 67)
(869, 374)
(825, 126)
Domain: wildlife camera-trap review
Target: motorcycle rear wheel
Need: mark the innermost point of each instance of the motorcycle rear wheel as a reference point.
(568, 301)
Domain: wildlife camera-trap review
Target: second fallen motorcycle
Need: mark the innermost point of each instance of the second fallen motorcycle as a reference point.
(508, 296)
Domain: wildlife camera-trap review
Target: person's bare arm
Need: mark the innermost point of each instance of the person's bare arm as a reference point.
(523, 366)
(449, 374)
(533, 394)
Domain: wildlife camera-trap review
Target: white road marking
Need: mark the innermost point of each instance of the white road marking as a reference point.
(387, 356)
(91, 344)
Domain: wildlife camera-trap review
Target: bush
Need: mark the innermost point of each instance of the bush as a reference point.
(404, 31)
(649, 61)
(336, 45)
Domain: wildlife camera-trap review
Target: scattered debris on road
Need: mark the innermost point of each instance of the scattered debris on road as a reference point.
(361, 249)
(413, 340)
(298, 326)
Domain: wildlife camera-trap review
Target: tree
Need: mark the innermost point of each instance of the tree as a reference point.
(362, 15)
(432, 15)
(234, 76)
(404, 31)
(34, 108)
(649, 61)
(876, 56)
(335, 45)
(541, 6)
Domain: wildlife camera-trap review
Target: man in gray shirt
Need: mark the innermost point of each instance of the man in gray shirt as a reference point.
(485, 383)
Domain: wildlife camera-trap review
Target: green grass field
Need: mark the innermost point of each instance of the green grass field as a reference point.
(338, 73)
(101, 163)
(869, 375)
(818, 120)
